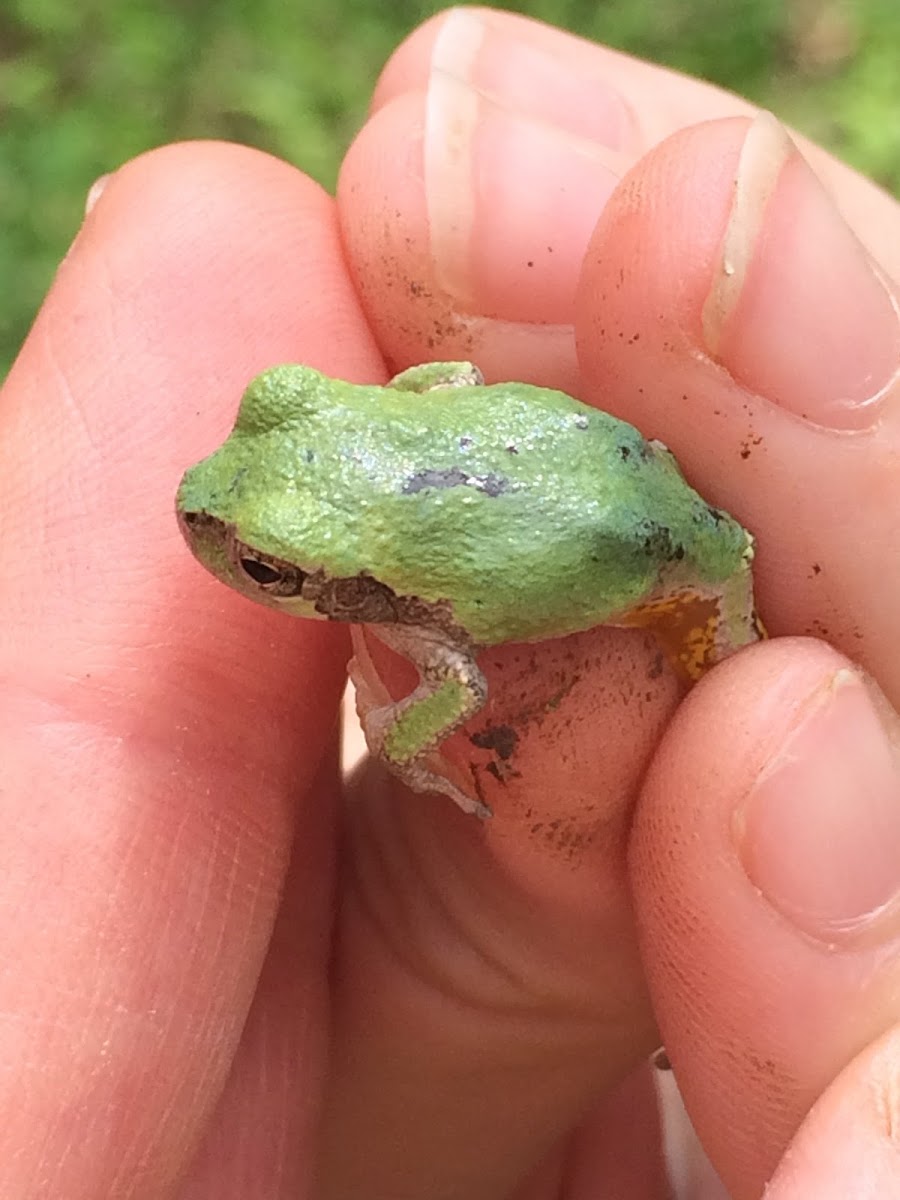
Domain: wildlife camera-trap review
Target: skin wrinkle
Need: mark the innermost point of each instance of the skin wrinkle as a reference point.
(63, 389)
(203, 875)
(270, 1083)
(498, 985)
(65, 393)
(374, 886)
(56, 1131)
(206, 901)
(265, 1068)
(224, 828)
(886, 1100)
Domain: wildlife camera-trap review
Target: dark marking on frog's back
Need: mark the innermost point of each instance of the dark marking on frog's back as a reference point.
(451, 477)
(658, 543)
(639, 449)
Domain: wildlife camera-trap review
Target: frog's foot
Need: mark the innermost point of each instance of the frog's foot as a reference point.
(429, 773)
(405, 734)
(428, 376)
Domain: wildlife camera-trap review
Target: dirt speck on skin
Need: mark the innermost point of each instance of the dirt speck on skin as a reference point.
(657, 667)
(567, 838)
(523, 709)
(502, 739)
(551, 708)
(499, 774)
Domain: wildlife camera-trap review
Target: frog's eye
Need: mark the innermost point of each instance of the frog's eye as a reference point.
(270, 575)
(262, 573)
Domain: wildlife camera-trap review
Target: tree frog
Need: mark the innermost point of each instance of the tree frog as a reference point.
(449, 515)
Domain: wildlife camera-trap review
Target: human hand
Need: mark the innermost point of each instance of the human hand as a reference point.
(213, 989)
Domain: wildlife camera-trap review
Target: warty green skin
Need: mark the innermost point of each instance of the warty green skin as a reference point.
(533, 514)
(514, 512)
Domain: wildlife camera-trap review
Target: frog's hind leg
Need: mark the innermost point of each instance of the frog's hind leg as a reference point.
(405, 734)
(739, 623)
(697, 627)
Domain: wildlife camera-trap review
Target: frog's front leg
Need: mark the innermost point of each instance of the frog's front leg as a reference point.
(437, 375)
(405, 734)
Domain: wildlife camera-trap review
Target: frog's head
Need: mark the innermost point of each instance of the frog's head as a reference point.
(263, 577)
(259, 513)
(230, 516)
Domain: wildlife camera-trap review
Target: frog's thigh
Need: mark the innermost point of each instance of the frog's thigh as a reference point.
(687, 626)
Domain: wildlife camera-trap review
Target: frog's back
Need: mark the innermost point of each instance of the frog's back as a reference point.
(529, 511)
(491, 441)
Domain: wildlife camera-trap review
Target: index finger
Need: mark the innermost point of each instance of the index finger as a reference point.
(156, 729)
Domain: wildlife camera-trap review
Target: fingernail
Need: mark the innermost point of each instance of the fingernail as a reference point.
(95, 191)
(521, 154)
(797, 312)
(820, 832)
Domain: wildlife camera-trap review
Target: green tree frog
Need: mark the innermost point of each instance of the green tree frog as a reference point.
(448, 516)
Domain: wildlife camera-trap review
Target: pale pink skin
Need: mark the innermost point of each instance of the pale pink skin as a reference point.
(172, 985)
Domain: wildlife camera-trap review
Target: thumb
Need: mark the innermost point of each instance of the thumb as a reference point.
(847, 1146)
(766, 868)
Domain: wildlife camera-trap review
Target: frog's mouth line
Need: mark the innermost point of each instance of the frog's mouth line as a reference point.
(196, 523)
(359, 599)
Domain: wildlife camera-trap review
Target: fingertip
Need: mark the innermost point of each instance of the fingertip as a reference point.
(722, 258)
(847, 1146)
(764, 982)
(428, 241)
(217, 253)
(665, 343)
(407, 68)
(650, 264)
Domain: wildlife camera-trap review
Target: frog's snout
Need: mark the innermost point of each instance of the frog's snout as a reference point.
(188, 522)
(194, 522)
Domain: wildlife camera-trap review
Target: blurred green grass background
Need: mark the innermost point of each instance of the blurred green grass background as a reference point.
(84, 87)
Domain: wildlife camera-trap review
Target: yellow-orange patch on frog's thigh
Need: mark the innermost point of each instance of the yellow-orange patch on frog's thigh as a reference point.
(685, 625)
